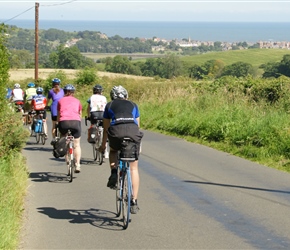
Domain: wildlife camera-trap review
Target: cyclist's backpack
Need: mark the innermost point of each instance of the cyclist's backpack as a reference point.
(129, 151)
(59, 147)
(91, 134)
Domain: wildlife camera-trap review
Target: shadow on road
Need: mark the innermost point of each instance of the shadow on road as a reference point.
(49, 177)
(96, 217)
(38, 147)
(237, 186)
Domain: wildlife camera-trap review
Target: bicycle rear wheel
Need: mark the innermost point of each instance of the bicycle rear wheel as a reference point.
(71, 170)
(71, 165)
(126, 198)
(42, 135)
(37, 137)
(119, 193)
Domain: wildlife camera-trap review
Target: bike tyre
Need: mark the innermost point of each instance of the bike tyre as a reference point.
(37, 137)
(119, 194)
(43, 135)
(95, 156)
(126, 198)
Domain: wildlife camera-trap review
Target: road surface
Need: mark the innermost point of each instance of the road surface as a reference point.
(191, 197)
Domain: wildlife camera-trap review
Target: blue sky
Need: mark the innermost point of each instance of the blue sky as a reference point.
(149, 10)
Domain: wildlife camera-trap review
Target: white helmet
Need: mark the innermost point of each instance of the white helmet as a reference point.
(17, 86)
(118, 92)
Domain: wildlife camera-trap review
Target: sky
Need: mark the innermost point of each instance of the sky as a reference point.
(149, 10)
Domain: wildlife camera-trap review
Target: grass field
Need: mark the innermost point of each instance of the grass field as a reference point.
(255, 57)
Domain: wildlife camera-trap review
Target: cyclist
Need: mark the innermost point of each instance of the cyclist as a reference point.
(69, 113)
(17, 94)
(54, 94)
(29, 93)
(96, 106)
(38, 104)
(122, 119)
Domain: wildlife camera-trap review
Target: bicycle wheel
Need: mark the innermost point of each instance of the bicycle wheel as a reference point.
(99, 154)
(70, 169)
(119, 193)
(94, 151)
(37, 137)
(126, 197)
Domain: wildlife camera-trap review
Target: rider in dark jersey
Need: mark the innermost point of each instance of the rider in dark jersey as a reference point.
(122, 119)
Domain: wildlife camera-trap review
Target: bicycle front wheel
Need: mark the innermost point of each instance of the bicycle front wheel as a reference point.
(126, 197)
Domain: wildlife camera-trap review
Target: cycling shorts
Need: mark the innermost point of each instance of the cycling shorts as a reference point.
(73, 125)
(54, 118)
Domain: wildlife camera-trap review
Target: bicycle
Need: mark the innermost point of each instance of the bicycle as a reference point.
(70, 155)
(124, 189)
(97, 138)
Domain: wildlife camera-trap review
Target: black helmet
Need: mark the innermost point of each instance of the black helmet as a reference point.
(98, 89)
(39, 90)
(118, 92)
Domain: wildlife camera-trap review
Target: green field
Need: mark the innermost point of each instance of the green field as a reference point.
(255, 57)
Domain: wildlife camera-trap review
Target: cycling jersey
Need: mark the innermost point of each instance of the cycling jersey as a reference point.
(39, 102)
(121, 111)
(17, 95)
(29, 93)
(97, 102)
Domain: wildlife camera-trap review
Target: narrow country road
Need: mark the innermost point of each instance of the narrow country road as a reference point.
(191, 197)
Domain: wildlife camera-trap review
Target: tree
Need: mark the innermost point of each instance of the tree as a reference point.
(4, 62)
(21, 59)
(238, 69)
(69, 58)
(172, 66)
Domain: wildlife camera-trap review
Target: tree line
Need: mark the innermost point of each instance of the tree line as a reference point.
(54, 54)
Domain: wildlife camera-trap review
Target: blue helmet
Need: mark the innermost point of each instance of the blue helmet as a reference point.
(55, 81)
(69, 88)
(31, 85)
(39, 90)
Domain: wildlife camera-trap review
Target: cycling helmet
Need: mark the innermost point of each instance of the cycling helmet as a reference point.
(69, 88)
(98, 89)
(118, 92)
(39, 90)
(17, 86)
(55, 81)
(31, 85)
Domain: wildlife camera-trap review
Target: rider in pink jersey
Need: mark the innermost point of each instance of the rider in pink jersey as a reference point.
(69, 113)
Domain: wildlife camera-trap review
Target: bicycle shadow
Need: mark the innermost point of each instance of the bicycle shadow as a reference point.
(96, 217)
(49, 177)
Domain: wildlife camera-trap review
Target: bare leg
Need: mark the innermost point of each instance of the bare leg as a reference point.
(113, 158)
(53, 129)
(77, 151)
(135, 178)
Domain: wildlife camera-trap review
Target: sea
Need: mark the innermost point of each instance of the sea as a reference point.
(250, 32)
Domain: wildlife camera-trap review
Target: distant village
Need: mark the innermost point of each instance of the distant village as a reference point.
(187, 43)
